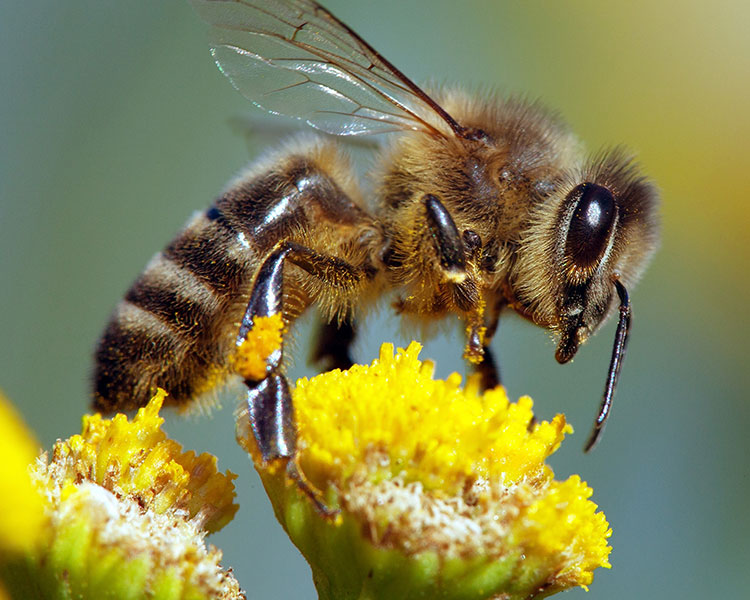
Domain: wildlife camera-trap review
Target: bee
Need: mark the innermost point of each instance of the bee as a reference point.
(479, 206)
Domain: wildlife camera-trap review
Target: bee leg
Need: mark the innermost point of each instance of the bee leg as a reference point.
(271, 416)
(488, 369)
(448, 243)
(452, 249)
(269, 400)
(334, 341)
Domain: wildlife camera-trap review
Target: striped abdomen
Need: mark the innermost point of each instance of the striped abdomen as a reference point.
(177, 325)
(164, 332)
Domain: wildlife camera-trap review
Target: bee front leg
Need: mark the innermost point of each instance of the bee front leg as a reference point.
(269, 401)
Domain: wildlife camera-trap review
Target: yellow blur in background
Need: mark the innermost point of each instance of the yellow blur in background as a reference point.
(115, 127)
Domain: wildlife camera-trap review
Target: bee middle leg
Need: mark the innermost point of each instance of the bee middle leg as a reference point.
(332, 349)
(488, 369)
(269, 401)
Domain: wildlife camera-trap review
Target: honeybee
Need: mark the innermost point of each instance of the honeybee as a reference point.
(480, 205)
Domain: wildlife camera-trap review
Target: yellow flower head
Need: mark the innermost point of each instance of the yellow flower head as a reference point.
(443, 490)
(128, 511)
(135, 460)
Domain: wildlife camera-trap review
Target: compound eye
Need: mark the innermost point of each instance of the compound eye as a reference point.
(591, 224)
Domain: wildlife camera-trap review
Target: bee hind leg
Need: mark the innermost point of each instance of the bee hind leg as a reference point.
(269, 401)
(271, 415)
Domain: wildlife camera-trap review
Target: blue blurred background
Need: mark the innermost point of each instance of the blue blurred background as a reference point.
(114, 128)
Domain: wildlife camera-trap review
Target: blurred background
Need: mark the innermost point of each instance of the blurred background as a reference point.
(114, 127)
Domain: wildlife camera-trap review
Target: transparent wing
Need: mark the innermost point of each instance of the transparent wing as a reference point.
(293, 57)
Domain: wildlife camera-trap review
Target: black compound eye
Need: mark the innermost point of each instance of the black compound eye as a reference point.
(591, 224)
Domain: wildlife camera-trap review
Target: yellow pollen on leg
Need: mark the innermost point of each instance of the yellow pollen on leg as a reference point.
(262, 340)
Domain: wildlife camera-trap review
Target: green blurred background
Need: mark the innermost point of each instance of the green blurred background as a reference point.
(114, 128)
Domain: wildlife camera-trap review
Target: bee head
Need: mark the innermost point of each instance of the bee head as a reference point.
(600, 227)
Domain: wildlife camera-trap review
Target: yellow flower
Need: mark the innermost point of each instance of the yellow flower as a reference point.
(135, 460)
(21, 509)
(128, 511)
(443, 491)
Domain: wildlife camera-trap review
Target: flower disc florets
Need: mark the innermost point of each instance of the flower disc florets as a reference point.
(125, 513)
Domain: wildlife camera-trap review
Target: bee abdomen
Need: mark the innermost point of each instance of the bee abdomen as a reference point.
(136, 354)
(177, 325)
(176, 296)
(164, 332)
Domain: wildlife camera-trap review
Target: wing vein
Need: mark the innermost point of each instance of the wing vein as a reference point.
(254, 39)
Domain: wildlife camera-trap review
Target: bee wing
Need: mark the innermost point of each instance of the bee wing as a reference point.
(293, 57)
